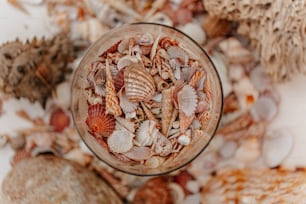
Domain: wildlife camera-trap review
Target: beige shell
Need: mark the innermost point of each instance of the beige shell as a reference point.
(126, 105)
(139, 84)
(112, 101)
(163, 146)
(197, 80)
(150, 115)
(167, 109)
(160, 83)
(185, 121)
(155, 161)
(120, 141)
(125, 123)
(139, 153)
(146, 39)
(146, 133)
(187, 100)
(126, 61)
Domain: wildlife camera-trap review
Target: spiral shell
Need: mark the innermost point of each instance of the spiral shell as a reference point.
(167, 109)
(187, 100)
(120, 141)
(99, 123)
(139, 84)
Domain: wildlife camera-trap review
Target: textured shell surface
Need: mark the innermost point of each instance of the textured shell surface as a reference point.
(139, 84)
(126, 61)
(98, 122)
(120, 141)
(167, 109)
(146, 133)
(119, 80)
(126, 123)
(146, 39)
(163, 146)
(126, 105)
(187, 100)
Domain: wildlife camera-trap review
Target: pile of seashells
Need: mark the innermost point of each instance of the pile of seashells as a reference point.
(147, 97)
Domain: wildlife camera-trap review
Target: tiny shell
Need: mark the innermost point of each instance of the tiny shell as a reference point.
(197, 80)
(185, 121)
(98, 122)
(139, 84)
(139, 153)
(150, 115)
(187, 100)
(119, 80)
(265, 108)
(146, 39)
(154, 48)
(146, 133)
(120, 141)
(160, 83)
(184, 139)
(249, 151)
(123, 46)
(161, 18)
(155, 161)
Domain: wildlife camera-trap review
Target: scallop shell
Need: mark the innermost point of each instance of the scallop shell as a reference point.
(187, 100)
(167, 109)
(99, 123)
(162, 146)
(126, 105)
(112, 101)
(139, 153)
(139, 84)
(146, 133)
(126, 61)
(146, 39)
(120, 141)
(126, 123)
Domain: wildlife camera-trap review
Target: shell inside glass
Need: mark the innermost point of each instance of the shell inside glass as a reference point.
(80, 105)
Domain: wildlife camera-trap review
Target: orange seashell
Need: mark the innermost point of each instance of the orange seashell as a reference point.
(99, 123)
(139, 84)
(59, 120)
(111, 98)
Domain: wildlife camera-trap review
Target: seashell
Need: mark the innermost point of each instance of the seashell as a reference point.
(120, 141)
(163, 54)
(249, 151)
(161, 18)
(193, 186)
(146, 133)
(154, 48)
(160, 83)
(99, 123)
(139, 84)
(150, 115)
(195, 31)
(277, 145)
(139, 153)
(197, 80)
(126, 105)
(119, 80)
(167, 42)
(187, 100)
(185, 121)
(18, 142)
(179, 84)
(126, 61)
(184, 139)
(176, 52)
(265, 108)
(243, 121)
(112, 101)
(127, 124)
(204, 119)
(167, 109)
(59, 120)
(158, 98)
(162, 146)
(123, 46)
(146, 39)
(77, 155)
(154, 161)
(91, 29)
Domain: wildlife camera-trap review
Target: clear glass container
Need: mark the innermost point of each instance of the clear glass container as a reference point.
(80, 106)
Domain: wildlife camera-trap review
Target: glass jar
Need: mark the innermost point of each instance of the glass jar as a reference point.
(80, 103)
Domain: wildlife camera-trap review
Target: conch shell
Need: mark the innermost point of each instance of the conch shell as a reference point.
(139, 84)
(112, 101)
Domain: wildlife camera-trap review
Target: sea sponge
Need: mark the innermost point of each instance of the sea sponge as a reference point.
(276, 28)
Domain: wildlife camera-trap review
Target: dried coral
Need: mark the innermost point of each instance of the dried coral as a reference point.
(32, 70)
(277, 29)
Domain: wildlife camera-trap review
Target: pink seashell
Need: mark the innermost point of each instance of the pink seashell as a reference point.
(187, 100)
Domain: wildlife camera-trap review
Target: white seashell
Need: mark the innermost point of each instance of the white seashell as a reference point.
(154, 48)
(154, 161)
(120, 141)
(146, 39)
(78, 156)
(265, 108)
(195, 31)
(126, 61)
(187, 100)
(130, 115)
(191, 199)
(176, 124)
(236, 72)
(196, 124)
(177, 193)
(126, 105)
(228, 149)
(63, 95)
(175, 52)
(139, 153)
(163, 53)
(146, 133)
(127, 124)
(249, 151)
(193, 186)
(158, 97)
(276, 147)
(260, 79)
(184, 139)
(161, 18)
(91, 29)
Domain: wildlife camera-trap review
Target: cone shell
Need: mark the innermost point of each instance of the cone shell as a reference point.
(98, 122)
(167, 109)
(120, 141)
(139, 84)
(112, 101)
(187, 100)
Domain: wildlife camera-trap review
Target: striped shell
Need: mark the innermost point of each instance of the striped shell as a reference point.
(147, 132)
(187, 100)
(139, 84)
(126, 105)
(120, 141)
(99, 123)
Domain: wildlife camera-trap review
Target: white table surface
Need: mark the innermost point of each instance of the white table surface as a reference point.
(13, 23)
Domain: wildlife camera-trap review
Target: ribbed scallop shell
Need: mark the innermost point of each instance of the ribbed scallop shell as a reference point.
(120, 141)
(187, 100)
(99, 123)
(126, 105)
(139, 84)
(146, 133)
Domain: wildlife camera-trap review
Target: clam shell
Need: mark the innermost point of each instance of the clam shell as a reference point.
(167, 109)
(139, 84)
(187, 100)
(139, 153)
(127, 105)
(99, 123)
(120, 141)
(112, 101)
(146, 133)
